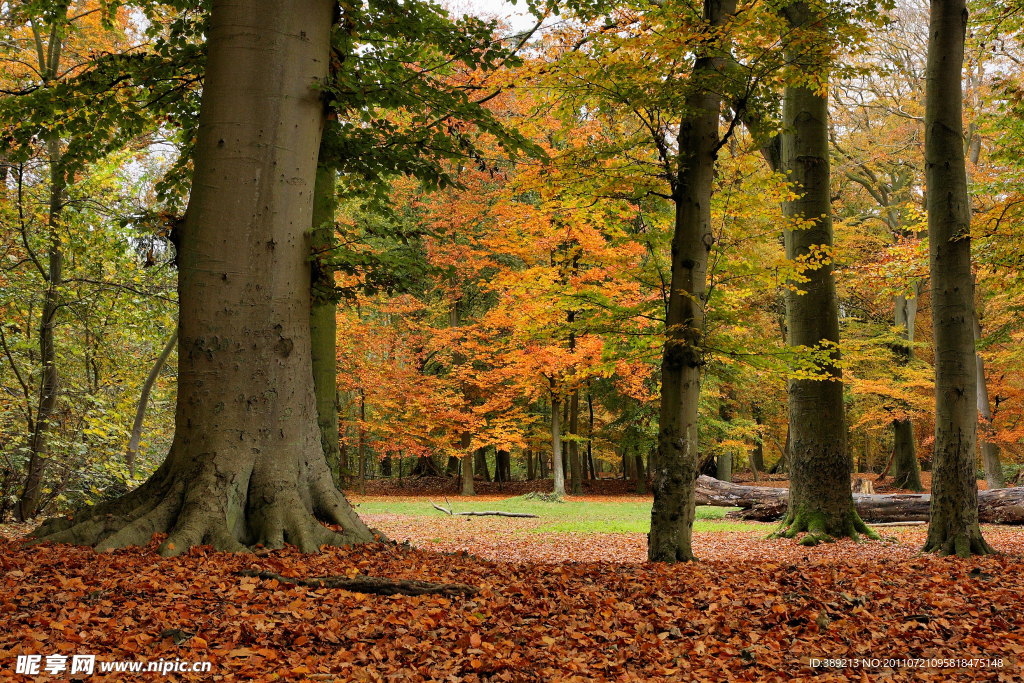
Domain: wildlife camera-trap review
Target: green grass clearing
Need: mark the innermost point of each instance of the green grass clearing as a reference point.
(618, 516)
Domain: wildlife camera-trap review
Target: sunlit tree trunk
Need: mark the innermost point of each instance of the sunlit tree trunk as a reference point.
(954, 500)
(820, 499)
(672, 515)
(246, 465)
(556, 446)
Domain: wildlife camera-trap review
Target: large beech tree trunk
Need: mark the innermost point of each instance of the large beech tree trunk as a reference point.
(1005, 506)
(820, 500)
(246, 465)
(672, 515)
(906, 472)
(954, 502)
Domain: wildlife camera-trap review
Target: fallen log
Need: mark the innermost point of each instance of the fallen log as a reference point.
(1001, 506)
(369, 584)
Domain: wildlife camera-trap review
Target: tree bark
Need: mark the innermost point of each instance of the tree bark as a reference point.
(556, 447)
(323, 317)
(954, 503)
(246, 466)
(672, 514)
(989, 451)
(820, 500)
(530, 475)
(1003, 506)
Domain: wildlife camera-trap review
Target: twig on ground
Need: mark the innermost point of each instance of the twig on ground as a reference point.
(494, 513)
(438, 507)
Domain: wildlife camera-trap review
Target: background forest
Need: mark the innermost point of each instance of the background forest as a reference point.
(513, 284)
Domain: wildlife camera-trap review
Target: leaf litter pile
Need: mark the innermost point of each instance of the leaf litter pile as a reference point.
(752, 610)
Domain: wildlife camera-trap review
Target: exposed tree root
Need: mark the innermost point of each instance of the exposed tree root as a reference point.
(962, 545)
(207, 509)
(822, 528)
(370, 584)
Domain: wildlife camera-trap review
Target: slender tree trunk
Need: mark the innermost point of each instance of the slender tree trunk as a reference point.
(820, 499)
(542, 463)
(641, 475)
(467, 466)
(757, 457)
(590, 437)
(246, 465)
(362, 441)
(556, 446)
(323, 327)
(140, 412)
(481, 464)
(49, 383)
(989, 451)
(954, 501)
(574, 446)
(906, 472)
(672, 515)
(504, 464)
(528, 454)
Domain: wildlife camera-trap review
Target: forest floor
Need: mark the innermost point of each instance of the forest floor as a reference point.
(563, 597)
